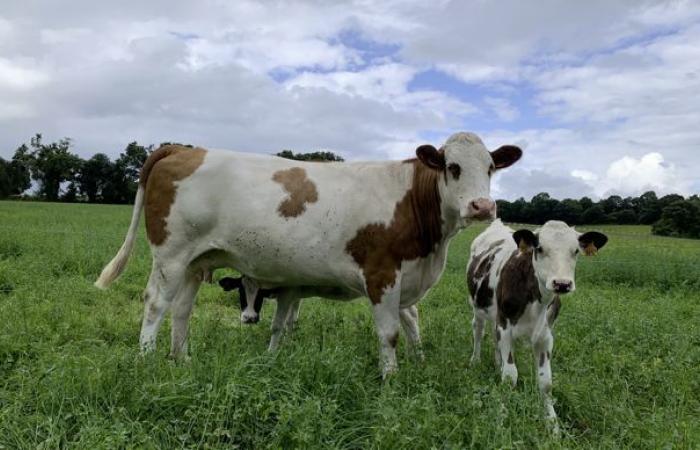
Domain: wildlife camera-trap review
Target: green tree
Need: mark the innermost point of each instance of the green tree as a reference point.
(52, 164)
(94, 176)
(123, 180)
(679, 219)
(17, 172)
(313, 156)
(593, 215)
(5, 183)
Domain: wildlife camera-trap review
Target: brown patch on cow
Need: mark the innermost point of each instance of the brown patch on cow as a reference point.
(542, 358)
(414, 231)
(510, 357)
(517, 287)
(394, 340)
(301, 191)
(159, 175)
(478, 275)
(553, 310)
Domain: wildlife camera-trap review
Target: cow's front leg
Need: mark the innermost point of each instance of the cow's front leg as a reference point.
(542, 351)
(386, 318)
(285, 301)
(409, 323)
(509, 372)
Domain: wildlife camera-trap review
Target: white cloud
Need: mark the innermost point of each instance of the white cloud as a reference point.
(502, 108)
(609, 81)
(16, 76)
(630, 176)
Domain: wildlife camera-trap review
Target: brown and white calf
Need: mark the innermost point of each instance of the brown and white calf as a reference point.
(516, 280)
(375, 229)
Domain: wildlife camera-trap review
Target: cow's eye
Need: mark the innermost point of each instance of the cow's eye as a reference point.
(455, 170)
(576, 252)
(492, 169)
(539, 250)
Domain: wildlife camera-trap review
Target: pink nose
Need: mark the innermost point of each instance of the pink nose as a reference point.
(481, 209)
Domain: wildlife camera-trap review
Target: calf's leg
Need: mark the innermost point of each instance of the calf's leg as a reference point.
(409, 323)
(478, 332)
(293, 317)
(285, 302)
(542, 351)
(509, 372)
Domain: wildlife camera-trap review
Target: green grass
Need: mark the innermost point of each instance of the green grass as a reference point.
(627, 353)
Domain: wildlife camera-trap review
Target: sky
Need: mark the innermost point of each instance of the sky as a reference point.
(603, 96)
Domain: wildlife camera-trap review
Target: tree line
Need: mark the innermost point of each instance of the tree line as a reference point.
(670, 215)
(60, 175)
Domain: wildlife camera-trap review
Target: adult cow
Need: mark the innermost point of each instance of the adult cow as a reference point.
(375, 229)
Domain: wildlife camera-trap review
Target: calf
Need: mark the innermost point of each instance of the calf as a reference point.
(516, 280)
(250, 311)
(374, 229)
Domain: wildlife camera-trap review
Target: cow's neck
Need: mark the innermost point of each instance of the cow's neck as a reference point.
(424, 212)
(547, 296)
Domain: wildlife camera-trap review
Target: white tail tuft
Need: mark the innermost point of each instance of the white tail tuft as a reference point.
(118, 263)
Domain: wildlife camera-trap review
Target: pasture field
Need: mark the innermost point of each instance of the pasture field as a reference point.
(625, 364)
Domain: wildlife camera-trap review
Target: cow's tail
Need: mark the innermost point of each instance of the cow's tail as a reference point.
(118, 263)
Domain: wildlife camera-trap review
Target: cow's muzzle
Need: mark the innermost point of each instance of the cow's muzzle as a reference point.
(481, 209)
(562, 286)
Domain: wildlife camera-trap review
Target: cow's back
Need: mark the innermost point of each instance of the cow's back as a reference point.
(489, 253)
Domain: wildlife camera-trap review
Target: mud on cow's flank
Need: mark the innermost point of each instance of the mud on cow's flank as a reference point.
(301, 191)
(163, 168)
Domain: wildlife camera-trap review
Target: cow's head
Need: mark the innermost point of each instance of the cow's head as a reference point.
(467, 167)
(250, 311)
(555, 247)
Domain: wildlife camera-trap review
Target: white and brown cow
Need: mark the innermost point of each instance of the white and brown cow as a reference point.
(516, 280)
(375, 229)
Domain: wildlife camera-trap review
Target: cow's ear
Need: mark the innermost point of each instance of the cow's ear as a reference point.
(431, 157)
(526, 240)
(506, 155)
(591, 242)
(229, 284)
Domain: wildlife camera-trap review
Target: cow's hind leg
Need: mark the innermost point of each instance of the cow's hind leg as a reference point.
(285, 303)
(163, 285)
(409, 323)
(181, 310)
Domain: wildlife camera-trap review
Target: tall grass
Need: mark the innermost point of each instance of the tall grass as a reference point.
(627, 349)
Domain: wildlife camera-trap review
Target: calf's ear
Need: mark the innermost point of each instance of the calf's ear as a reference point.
(506, 155)
(431, 157)
(525, 239)
(591, 242)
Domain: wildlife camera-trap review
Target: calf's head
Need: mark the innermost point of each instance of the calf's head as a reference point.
(555, 247)
(467, 167)
(250, 311)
